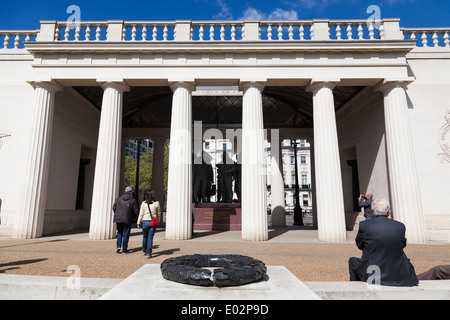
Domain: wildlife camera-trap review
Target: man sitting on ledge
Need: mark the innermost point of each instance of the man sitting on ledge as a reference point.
(383, 260)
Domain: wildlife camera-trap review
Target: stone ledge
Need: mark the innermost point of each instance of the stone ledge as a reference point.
(21, 287)
(427, 290)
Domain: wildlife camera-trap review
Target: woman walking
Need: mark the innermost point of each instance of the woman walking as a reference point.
(150, 209)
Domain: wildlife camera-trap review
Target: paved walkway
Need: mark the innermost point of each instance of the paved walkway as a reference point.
(293, 247)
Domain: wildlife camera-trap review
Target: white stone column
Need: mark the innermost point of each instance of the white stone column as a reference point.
(31, 208)
(107, 164)
(277, 183)
(254, 200)
(179, 192)
(158, 169)
(404, 186)
(328, 179)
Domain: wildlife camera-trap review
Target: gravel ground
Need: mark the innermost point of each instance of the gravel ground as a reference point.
(97, 259)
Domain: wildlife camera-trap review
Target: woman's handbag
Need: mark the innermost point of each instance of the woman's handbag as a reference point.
(154, 223)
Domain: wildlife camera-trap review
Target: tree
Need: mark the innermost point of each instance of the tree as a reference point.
(145, 171)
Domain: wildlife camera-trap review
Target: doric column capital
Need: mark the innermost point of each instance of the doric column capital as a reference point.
(189, 85)
(115, 84)
(51, 85)
(316, 84)
(252, 84)
(388, 84)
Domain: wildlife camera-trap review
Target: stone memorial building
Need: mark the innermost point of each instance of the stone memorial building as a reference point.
(371, 100)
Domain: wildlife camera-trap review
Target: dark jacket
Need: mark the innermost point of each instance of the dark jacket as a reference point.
(367, 205)
(126, 209)
(382, 241)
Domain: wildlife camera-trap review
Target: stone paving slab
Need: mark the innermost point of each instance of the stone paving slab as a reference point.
(147, 283)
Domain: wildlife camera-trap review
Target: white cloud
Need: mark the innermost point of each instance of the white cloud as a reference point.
(280, 14)
(225, 12)
(277, 14)
(252, 13)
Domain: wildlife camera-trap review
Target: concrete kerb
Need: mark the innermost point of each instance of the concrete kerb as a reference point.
(20, 287)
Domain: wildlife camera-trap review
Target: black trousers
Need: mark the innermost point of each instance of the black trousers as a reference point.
(352, 265)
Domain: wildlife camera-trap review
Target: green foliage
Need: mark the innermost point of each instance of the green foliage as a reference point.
(145, 171)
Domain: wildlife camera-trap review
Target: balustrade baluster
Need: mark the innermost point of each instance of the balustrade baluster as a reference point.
(424, 39)
(269, 32)
(371, 32)
(133, 33)
(165, 33)
(77, 33)
(124, 33)
(17, 41)
(6, 42)
(222, 33)
(56, 34)
(446, 40)
(201, 33)
(67, 33)
(435, 40)
(302, 32)
(233, 33)
(291, 32)
(280, 32)
(338, 32)
(98, 33)
(360, 32)
(211, 32)
(349, 32)
(144, 33)
(154, 33)
(87, 34)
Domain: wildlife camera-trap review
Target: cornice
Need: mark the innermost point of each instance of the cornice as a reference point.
(225, 47)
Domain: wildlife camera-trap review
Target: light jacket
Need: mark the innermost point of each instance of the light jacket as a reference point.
(144, 214)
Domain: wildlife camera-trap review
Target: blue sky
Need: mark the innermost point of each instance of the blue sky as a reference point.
(20, 15)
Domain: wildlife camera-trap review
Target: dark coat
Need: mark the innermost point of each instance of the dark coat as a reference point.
(367, 205)
(382, 241)
(126, 209)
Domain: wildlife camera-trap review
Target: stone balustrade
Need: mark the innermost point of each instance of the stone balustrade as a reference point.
(83, 31)
(226, 31)
(439, 36)
(15, 39)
